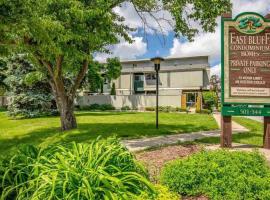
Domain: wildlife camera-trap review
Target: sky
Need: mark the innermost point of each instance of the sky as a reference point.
(148, 44)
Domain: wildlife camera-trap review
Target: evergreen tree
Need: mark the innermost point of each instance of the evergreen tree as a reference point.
(29, 94)
(3, 86)
(113, 91)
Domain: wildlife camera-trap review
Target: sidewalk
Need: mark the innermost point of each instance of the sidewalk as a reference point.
(258, 119)
(145, 143)
(237, 128)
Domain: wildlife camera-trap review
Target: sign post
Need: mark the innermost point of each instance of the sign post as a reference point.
(245, 71)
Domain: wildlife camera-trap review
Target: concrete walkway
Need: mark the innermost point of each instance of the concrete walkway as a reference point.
(258, 119)
(145, 143)
(237, 128)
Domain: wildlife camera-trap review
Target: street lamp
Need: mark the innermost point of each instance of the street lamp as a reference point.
(157, 61)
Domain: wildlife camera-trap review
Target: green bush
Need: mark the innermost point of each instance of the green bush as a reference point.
(179, 109)
(125, 108)
(150, 108)
(2, 90)
(163, 193)
(2, 109)
(103, 169)
(204, 111)
(210, 99)
(166, 109)
(94, 106)
(102, 107)
(219, 175)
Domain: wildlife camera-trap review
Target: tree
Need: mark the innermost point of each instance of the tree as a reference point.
(63, 35)
(215, 86)
(3, 86)
(113, 91)
(29, 94)
(97, 72)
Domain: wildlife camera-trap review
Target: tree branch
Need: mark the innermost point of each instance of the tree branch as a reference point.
(59, 62)
(79, 78)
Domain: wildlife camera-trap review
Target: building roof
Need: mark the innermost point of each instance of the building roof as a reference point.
(166, 59)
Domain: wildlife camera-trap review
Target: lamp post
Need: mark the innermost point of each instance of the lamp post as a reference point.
(157, 61)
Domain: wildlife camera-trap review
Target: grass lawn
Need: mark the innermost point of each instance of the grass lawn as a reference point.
(253, 137)
(44, 131)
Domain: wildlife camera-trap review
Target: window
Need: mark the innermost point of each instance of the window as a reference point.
(138, 77)
(139, 83)
(150, 77)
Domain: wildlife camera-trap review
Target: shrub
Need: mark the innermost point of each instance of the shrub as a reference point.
(219, 175)
(166, 109)
(204, 111)
(94, 106)
(210, 99)
(2, 90)
(2, 109)
(150, 108)
(103, 169)
(163, 193)
(179, 109)
(125, 108)
(102, 107)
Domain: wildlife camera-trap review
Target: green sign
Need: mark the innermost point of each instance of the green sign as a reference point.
(246, 65)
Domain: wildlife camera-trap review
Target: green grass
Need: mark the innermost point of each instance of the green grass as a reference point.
(44, 131)
(253, 137)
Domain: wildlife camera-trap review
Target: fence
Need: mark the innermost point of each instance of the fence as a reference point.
(133, 101)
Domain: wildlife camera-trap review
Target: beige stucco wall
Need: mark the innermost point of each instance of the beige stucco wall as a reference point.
(133, 101)
(125, 81)
(188, 79)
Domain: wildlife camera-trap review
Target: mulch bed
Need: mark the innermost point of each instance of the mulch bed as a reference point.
(154, 160)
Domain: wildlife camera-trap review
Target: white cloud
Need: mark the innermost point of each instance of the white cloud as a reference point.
(259, 6)
(125, 50)
(203, 44)
(216, 70)
(209, 43)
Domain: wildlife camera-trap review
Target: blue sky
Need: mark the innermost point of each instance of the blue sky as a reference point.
(157, 45)
(150, 46)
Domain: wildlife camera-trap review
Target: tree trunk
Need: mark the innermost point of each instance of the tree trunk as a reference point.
(64, 97)
(66, 109)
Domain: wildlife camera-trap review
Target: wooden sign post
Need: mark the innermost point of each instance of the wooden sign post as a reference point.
(245, 71)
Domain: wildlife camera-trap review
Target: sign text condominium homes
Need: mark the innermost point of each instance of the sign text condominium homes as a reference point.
(181, 81)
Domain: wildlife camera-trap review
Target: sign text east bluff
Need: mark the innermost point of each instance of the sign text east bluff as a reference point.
(245, 71)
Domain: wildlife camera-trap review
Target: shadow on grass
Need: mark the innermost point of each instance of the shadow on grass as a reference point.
(88, 131)
(254, 137)
(250, 138)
